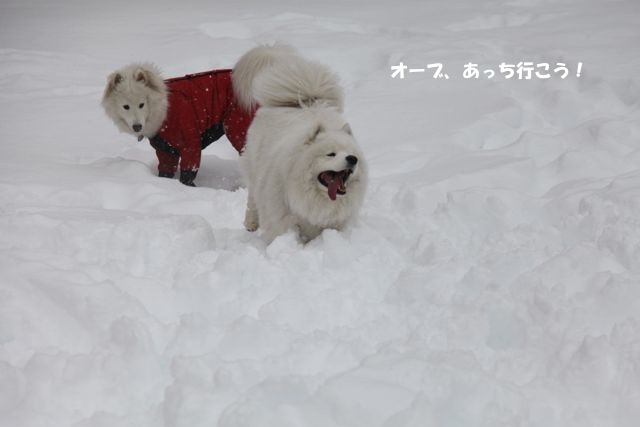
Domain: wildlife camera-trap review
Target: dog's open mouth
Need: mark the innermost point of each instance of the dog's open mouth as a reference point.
(336, 182)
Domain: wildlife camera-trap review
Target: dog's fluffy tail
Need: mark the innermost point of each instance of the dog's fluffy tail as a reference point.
(276, 76)
(253, 63)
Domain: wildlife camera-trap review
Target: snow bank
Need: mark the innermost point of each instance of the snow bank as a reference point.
(492, 279)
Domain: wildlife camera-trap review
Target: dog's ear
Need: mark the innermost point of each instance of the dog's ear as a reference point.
(145, 76)
(112, 81)
(346, 128)
(314, 134)
(142, 75)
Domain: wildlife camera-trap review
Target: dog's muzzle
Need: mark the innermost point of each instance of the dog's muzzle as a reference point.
(336, 181)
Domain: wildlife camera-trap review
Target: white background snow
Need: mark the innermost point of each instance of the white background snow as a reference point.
(493, 278)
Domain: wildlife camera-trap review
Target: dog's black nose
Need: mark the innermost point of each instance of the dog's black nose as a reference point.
(137, 127)
(352, 160)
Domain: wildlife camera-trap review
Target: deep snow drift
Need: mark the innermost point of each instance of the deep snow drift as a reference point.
(493, 279)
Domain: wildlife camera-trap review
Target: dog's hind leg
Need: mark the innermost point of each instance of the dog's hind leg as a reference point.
(251, 221)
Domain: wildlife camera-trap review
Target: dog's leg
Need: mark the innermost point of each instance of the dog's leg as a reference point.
(270, 232)
(273, 227)
(188, 176)
(251, 221)
(167, 164)
(190, 160)
(307, 232)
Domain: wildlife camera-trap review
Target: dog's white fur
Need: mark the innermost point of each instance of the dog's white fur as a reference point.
(136, 96)
(290, 142)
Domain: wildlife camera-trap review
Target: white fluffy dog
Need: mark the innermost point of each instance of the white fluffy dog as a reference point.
(301, 164)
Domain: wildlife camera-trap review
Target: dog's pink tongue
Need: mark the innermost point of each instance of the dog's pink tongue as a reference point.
(333, 187)
(336, 183)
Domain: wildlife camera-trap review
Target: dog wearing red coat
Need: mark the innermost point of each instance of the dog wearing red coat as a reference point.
(181, 116)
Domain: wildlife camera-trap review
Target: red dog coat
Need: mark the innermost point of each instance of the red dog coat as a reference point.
(202, 108)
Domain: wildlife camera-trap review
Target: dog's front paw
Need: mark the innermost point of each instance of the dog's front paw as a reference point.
(307, 232)
(187, 177)
(251, 222)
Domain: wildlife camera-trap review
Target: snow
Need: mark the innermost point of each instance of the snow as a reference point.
(493, 278)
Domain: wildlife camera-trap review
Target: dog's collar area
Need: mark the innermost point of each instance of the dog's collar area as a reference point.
(335, 181)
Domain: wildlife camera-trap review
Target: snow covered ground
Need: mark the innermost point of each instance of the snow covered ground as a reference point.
(493, 280)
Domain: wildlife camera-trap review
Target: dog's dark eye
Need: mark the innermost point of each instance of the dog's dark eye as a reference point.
(141, 105)
(331, 155)
(126, 107)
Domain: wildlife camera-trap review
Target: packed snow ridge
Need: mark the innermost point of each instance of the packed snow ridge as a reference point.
(493, 277)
